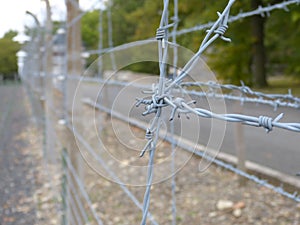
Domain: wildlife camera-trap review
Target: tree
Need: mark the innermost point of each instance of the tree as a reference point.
(258, 65)
(261, 46)
(257, 49)
(283, 42)
(8, 57)
(123, 26)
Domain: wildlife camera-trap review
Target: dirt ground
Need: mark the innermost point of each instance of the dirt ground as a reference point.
(18, 145)
(210, 196)
(27, 196)
(30, 189)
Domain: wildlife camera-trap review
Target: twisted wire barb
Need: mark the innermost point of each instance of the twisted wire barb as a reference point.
(259, 11)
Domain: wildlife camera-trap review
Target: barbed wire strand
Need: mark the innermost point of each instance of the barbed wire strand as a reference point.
(243, 99)
(162, 37)
(203, 154)
(172, 125)
(262, 121)
(243, 90)
(276, 101)
(259, 11)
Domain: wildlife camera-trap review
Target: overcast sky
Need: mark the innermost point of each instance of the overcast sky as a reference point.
(13, 12)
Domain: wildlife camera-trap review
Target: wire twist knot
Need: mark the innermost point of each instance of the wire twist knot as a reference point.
(266, 122)
(221, 30)
(161, 33)
(149, 134)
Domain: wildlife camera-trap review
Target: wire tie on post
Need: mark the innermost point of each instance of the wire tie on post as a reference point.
(149, 137)
(222, 29)
(267, 122)
(161, 34)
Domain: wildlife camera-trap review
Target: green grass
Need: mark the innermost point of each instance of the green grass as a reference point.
(281, 85)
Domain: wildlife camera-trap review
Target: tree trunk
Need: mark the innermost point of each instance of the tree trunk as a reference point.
(258, 67)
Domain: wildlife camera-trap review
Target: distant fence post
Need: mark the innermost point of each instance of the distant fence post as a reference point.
(64, 185)
(74, 68)
(240, 145)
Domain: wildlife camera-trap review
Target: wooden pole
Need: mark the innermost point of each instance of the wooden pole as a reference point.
(240, 145)
(74, 68)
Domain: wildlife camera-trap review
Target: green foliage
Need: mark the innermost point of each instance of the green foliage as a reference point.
(283, 42)
(89, 29)
(138, 19)
(10, 35)
(8, 58)
(231, 61)
(124, 26)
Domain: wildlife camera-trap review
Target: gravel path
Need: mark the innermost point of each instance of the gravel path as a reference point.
(17, 165)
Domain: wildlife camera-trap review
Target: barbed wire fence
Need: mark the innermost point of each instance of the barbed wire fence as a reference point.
(80, 208)
(162, 98)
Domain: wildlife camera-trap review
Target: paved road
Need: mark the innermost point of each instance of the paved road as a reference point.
(16, 167)
(278, 149)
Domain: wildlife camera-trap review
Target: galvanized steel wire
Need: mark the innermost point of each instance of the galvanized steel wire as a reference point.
(263, 11)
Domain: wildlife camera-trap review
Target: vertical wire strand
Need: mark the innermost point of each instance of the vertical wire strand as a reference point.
(162, 54)
(100, 44)
(172, 125)
(110, 38)
(146, 202)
